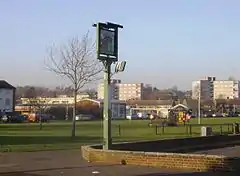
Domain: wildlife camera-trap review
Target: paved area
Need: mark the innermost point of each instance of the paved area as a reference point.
(229, 151)
(70, 163)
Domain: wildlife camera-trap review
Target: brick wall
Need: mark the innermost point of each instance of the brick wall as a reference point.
(165, 160)
(132, 153)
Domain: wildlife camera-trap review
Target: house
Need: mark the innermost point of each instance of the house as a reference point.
(7, 97)
(158, 107)
(180, 107)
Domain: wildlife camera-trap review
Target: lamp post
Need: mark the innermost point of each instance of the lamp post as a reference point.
(199, 106)
(107, 53)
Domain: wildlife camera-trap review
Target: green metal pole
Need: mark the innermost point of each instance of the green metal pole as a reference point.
(107, 139)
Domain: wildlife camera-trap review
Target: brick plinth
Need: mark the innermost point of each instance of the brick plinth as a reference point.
(165, 160)
(196, 162)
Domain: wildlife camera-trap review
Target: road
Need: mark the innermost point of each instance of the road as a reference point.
(70, 163)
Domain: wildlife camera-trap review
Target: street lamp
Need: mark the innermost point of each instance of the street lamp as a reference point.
(107, 53)
(199, 106)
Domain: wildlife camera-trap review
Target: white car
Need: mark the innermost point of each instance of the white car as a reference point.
(83, 117)
(4, 118)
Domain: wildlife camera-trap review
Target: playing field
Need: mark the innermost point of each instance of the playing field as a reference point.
(56, 135)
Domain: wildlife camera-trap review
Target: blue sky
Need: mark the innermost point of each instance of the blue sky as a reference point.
(165, 42)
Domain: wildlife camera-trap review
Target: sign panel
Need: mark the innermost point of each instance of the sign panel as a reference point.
(120, 66)
(107, 43)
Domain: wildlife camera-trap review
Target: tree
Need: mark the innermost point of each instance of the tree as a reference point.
(185, 102)
(231, 78)
(91, 93)
(30, 92)
(39, 106)
(214, 105)
(174, 88)
(196, 93)
(75, 61)
(33, 91)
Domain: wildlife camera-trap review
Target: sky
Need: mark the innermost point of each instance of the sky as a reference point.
(165, 42)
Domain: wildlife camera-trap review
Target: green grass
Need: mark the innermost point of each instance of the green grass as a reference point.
(56, 135)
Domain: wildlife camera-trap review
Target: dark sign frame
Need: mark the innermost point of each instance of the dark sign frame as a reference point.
(102, 52)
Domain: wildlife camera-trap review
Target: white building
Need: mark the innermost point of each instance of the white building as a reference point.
(113, 91)
(226, 89)
(122, 91)
(7, 97)
(63, 99)
(204, 88)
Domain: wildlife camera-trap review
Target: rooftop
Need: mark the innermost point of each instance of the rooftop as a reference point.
(5, 85)
(149, 102)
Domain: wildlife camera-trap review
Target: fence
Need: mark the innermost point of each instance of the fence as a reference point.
(191, 129)
(186, 130)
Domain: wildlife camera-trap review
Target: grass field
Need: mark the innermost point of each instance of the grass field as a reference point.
(56, 135)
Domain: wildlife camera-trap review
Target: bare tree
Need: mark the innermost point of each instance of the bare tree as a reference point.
(214, 105)
(75, 61)
(30, 92)
(196, 93)
(185, 102)
(39, 106)
(91, 93)
(231, 78)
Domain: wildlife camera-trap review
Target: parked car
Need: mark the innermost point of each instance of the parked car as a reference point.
(34, 117)
(218, 115)
(209, 115)
(16, 118)
(83, 117)
(236, 114)
(4, 119)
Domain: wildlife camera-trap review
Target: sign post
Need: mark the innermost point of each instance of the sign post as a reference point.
(107, 53)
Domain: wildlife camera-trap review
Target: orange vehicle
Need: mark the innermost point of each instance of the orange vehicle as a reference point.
(32, 117)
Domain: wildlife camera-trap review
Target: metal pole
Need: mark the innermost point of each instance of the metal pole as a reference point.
(199, 107)
(40, 118)
(66, 116)
(107, 139)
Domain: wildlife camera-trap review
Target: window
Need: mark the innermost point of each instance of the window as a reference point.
(7, 102)
(122, 111)
(55, 102)
(65, 102)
